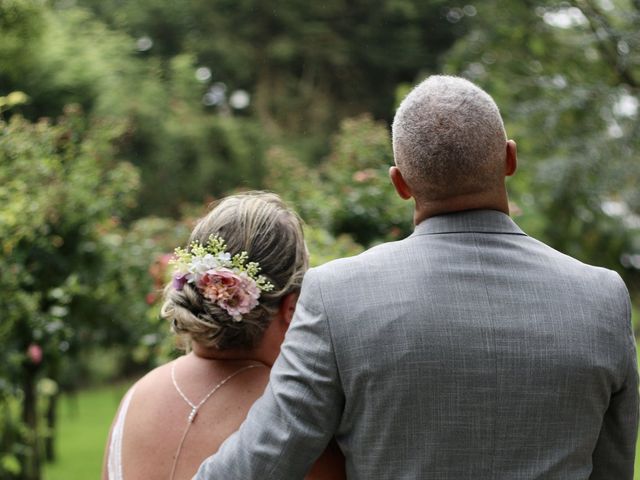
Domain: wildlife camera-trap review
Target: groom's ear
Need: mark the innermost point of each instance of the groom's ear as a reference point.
(399, 183)
(511, 158)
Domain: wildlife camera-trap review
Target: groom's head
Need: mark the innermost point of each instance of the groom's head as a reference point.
(449, 141)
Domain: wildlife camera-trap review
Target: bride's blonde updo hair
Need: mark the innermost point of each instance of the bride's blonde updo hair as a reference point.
(260, 224)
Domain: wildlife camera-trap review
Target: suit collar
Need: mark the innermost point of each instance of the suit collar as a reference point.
(480, 221)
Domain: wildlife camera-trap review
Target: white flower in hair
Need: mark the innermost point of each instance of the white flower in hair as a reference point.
(224, 257)
(200, 265)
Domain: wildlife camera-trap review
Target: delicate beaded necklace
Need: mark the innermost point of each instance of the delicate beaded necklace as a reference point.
(195, 408)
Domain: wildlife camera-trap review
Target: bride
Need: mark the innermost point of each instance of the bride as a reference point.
(232, 297)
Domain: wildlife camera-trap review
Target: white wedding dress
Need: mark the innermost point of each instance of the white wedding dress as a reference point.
(114, 461)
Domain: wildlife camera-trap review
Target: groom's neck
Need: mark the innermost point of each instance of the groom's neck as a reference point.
(489, 200)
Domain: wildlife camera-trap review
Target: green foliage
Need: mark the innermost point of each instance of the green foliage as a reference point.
(54, 67)
(356, 173)
(12, 433)
(350, 192)
(59, 187)
(299, 184)
(305, 67)
(324, 247)
(194, 157)
(173, 140)
(21, 24)
(137, 265)
(307, 64)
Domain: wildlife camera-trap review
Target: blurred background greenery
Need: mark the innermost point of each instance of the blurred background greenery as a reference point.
(120, 121)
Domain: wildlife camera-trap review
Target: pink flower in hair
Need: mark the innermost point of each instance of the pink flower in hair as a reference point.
(236, 293)
(243, 299)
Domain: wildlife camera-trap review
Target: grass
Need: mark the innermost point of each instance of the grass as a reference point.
(84, 422)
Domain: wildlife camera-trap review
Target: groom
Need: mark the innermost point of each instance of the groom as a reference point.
(468, 350)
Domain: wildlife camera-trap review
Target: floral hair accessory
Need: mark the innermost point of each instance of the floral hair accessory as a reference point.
(230, 282)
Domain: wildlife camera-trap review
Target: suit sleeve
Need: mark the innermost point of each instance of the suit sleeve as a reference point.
(292, 423)
(614, 454)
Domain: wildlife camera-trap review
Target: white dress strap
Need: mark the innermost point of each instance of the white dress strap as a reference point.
(114, 463)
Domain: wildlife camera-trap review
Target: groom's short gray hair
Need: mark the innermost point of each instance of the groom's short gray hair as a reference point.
(449, 139)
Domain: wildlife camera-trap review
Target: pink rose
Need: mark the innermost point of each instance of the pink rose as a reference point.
(244, 298)
(34, 352)
(219, 284)
(236, 293)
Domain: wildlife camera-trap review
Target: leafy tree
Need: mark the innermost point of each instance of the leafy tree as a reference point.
(60, 187)
(21, 24)
(350, 192)
(306, 64)
(170, 135)
(357, 176)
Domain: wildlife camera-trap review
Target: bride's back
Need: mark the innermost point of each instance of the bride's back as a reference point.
(158, 416)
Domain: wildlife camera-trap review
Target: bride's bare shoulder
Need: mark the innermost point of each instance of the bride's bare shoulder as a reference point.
(159, 377)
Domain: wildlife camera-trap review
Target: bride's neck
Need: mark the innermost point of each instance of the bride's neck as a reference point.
(253, 355)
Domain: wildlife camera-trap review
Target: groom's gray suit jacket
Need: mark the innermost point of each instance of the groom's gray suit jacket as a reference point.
(466, 351)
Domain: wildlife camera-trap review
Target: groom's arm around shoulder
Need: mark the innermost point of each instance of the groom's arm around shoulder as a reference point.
(292, 423)
(614, 453)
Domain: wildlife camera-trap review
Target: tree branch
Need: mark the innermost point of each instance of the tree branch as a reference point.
(608, 46)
